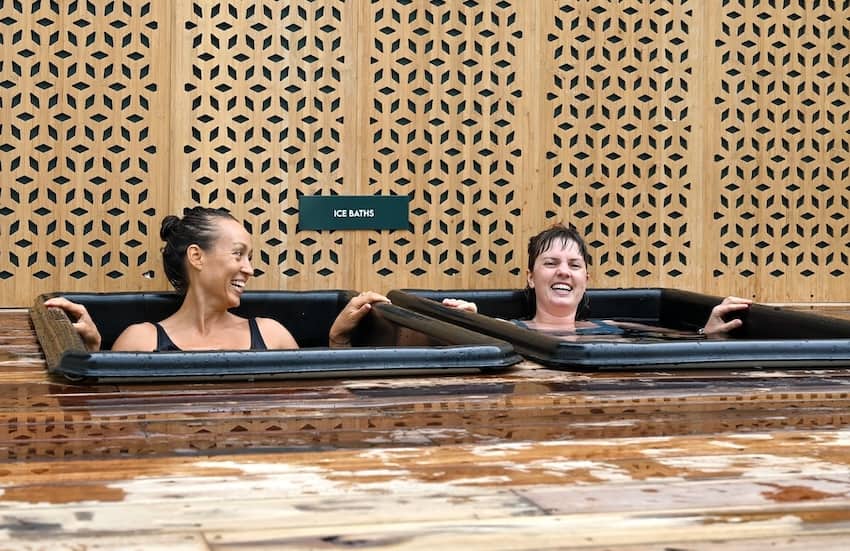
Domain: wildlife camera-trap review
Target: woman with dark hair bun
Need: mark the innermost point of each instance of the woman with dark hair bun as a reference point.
(199, 227)
(557, 279)
(207, 258)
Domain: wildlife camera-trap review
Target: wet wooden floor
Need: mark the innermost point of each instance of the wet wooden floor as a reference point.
(527, 459)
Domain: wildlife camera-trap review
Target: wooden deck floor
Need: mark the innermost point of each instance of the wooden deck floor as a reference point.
(530, 459)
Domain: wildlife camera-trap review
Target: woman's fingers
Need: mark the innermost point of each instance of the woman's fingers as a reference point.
(736, 300)
(81, 321)
(459, 304)
(75, 310)
(360, 305)
(350, 316)
(724, 309)
(716, 325)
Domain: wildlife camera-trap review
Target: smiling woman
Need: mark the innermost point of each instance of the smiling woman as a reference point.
(556, 292)
(557, 276)
(207, 258)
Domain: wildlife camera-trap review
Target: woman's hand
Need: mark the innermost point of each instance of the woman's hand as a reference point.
(459, 304)
(716, 325)
(80, 320)
(350, 316)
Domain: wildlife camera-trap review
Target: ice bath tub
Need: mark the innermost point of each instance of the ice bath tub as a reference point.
(770, 337)
(379, 344)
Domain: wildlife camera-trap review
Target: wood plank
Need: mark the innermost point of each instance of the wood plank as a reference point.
(124, 542)
(591, 532)
(375, 508)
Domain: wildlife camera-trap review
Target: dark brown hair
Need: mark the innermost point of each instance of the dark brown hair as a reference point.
(197, 227)
(542, 242)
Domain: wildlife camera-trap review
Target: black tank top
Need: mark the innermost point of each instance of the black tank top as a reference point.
(165, 344)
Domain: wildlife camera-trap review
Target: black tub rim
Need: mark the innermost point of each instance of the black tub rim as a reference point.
(67, 357)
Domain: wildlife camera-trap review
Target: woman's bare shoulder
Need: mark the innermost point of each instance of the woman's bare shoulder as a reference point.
(136, 337)
(275, 334)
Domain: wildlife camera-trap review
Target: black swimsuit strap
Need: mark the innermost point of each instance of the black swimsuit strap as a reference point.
(257, 342)
(163, 341)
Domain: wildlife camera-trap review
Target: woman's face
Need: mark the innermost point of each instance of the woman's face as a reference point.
(227, 265)
(559, 279)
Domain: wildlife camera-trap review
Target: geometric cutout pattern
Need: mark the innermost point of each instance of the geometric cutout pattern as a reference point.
(495, 117)
(784, 142)
(443, 99)
(265, 98)
(79, 151)
(622, 126)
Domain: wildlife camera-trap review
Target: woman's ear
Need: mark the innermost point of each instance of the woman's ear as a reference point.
(195, 256)
(528, 279)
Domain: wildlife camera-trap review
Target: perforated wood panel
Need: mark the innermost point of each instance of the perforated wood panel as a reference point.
(261, 119)
(617, 153)
(700, 145)
(445, 106)
(84, 185)
(780, 191)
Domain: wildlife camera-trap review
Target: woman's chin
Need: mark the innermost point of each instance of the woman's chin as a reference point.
(562, 308)
(234, 299)
(565, 304)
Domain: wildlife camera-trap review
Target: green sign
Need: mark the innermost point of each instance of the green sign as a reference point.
(353, 212)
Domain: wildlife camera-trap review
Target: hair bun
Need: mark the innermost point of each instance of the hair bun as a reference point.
(169, 226)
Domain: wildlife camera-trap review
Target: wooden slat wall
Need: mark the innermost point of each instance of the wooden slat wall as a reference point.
(699, 145)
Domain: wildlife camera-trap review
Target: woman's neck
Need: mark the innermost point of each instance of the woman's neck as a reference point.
(550, 320)
(197, 312)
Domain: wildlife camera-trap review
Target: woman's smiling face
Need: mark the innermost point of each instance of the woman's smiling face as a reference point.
(559, 278)
(228, 264)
